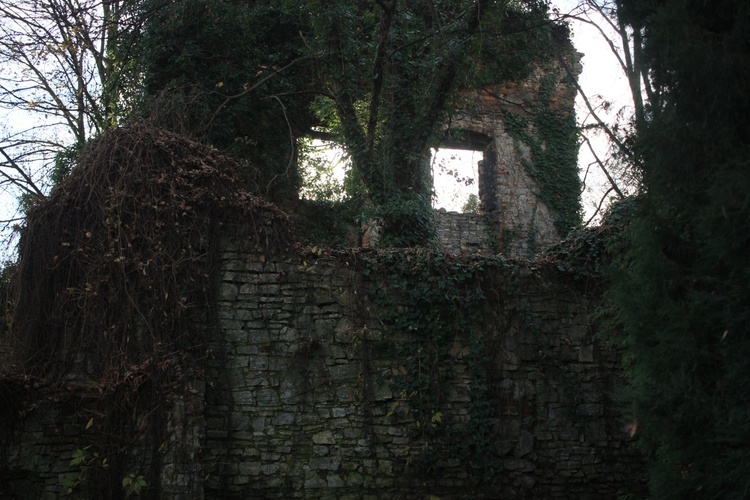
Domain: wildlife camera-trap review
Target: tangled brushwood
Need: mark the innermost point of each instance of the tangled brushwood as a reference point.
(115, 276)
(115, 263)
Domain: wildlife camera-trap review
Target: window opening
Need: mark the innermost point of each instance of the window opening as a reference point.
(455, 178)
(323, 166)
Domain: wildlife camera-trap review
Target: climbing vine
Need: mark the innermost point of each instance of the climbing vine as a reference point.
(434, 303)
(550, 134)
(587, 252)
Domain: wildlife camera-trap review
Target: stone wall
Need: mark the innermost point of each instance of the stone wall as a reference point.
(38, 445)
(522, 221)
(300, 398)
(303, 402)
(460, 233)
(36, 452)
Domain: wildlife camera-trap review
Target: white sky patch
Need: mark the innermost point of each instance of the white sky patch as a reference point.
(455, 177)
(602, 81)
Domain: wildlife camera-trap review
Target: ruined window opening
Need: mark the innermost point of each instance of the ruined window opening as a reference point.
(455, 178)
(458, 169)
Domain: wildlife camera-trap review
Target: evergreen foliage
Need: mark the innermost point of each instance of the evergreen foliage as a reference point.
(391, 71)
(681, 293)
(214, 72)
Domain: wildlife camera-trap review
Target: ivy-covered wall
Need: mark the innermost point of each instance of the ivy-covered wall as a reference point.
(528, 181)
(50, 448)
(406, 373)
(364, 374)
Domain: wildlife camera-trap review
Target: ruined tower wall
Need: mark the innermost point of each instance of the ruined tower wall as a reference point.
(522, 221)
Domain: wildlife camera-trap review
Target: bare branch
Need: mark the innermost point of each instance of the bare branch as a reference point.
(59, 73)
(599, 207)
(292, 142)
(613, 48)
(254, 87)
(603, 168)
(606, 128)
(28, 185)
(379, 64)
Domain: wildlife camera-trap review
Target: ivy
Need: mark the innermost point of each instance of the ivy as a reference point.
(207, 67)
(587, 252)
(326, 223)
(554, 155)
(407, 221)
(434, 302)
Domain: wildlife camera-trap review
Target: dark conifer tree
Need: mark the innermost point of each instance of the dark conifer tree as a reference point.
(682, 294)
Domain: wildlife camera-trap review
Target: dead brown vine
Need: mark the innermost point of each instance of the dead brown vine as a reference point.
(114, 276)
(113, 265)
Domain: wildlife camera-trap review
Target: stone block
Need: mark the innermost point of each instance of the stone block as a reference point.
(325, 463)
(284, 419)
(589, 410)
(270, 469)
(334, 481)
(228, 291)
(321, 451)
(267, 397)
(249, 469)
(596, 430)
(324, 437)
(525, 444)
(313, 481)
(586, 354)
(566, 434)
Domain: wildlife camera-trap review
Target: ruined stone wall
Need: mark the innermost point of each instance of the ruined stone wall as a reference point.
(302, 402)
(36, 452)
(38, 445)
(299, 397)
(459, 233)
(523, 222)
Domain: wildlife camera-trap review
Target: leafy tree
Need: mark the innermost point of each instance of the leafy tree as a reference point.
(245, 77)
(472, 205)
(681, 293)
(389, 72)
(232, 74)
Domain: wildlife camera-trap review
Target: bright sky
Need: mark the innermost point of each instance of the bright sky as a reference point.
(602, 79)
(455, 176)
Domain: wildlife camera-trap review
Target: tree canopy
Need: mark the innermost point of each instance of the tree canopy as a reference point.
(231, 74)
(251, 78)
(377, 77)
